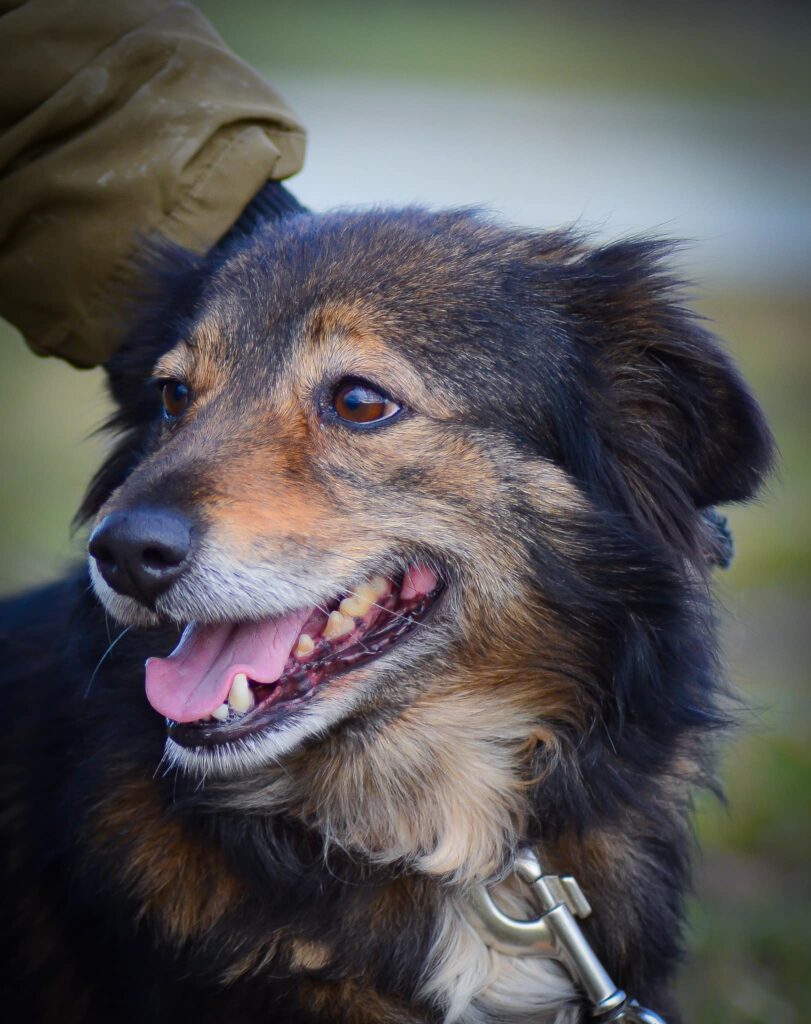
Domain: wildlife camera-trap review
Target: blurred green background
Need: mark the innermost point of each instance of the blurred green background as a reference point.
(688, 119)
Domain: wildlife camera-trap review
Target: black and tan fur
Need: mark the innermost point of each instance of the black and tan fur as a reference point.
(567, 422)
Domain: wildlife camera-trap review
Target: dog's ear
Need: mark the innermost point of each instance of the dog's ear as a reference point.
(153, 320)
(671, 407)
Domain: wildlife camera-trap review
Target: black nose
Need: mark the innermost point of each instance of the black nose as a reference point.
(141, 552)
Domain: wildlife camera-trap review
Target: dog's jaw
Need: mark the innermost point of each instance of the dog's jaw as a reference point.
(312, 721)
(239, 695)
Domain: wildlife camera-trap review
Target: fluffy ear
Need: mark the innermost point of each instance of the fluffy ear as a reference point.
(153, 321)
(673, 408)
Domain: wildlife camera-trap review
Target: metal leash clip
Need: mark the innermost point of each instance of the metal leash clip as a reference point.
(556, 935)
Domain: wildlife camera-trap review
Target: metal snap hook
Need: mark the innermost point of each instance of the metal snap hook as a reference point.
(507, 934)
(555, 935)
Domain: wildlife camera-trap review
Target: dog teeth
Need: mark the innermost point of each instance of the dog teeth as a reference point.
(359, 603)
(379, 586)
(338, 625)
(305, 646)
(220, 713)
(240, 697)
(354, 606)
(364, 597)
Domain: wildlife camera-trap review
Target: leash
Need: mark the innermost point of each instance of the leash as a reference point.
(557, 936)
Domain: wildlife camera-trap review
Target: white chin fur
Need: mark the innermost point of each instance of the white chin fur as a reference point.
(254, 752)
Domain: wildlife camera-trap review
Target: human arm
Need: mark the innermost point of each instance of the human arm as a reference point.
(119, 122)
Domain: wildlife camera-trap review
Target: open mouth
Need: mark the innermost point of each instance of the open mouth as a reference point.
(228, 680)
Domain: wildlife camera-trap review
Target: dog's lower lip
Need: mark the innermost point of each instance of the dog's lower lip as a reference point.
(281, 701)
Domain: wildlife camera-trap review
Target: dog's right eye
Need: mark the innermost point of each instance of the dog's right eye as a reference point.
(358, 403)
(175, 396)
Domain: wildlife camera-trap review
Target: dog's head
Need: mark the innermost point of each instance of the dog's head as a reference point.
(425, 496)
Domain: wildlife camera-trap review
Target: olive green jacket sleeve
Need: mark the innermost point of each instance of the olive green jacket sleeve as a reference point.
(119, 120)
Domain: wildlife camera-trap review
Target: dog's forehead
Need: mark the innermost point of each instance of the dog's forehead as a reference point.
(443, 291)
(409, 267)
(335, 339)
(328, 337)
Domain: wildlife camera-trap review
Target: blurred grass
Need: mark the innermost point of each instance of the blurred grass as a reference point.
(707, 50)
(770, 337)
(751, 919)
(47, 413)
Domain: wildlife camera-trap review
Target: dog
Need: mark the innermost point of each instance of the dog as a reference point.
(401, 562)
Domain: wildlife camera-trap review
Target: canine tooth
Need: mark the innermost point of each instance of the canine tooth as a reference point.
(220, 713)
(240, 697)
(359, 603)
(305, 646)
(337, 626)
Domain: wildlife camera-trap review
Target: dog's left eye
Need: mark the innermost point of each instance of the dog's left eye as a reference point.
(175, 396)
(357, 402)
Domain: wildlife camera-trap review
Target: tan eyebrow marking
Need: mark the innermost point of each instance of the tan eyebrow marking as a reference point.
(196, 358)
(351, 335)
(175, 363)
(208, 335)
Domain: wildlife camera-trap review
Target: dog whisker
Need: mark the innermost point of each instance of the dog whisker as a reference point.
(101, 660)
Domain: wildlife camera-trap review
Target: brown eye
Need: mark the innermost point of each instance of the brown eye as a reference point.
(356, 402)
(175, 395)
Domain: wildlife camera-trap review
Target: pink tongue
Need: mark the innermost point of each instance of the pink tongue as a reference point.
(196, 677)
